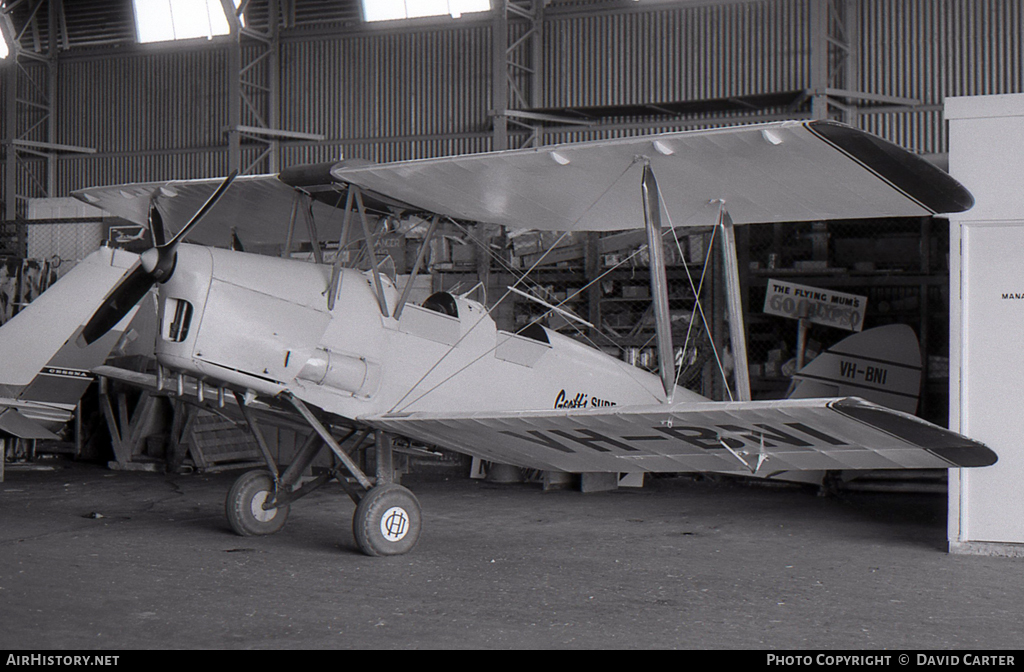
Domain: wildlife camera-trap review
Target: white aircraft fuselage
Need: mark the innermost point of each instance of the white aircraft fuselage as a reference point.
(262, 323)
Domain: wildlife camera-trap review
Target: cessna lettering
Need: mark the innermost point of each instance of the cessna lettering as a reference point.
(67, 373)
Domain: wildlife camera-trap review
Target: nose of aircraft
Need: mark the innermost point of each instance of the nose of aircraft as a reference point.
(155, 265)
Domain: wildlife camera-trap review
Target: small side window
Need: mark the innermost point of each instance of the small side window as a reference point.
(178, 319)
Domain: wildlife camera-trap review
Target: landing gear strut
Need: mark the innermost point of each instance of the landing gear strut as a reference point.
(387, 519)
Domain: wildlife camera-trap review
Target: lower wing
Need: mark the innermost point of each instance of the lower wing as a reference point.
(765, 436)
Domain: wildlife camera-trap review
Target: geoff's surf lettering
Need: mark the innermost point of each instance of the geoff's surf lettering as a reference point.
(562, 401)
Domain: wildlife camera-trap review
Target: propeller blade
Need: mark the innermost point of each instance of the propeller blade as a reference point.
(156, 227)
(118, 304)
(210, 202)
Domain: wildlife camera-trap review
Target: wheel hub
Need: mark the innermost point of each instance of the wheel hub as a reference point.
(258, 512)
(394, 524)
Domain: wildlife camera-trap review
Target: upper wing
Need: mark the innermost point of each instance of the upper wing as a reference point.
(258, 207)
(766, 436)
(778, 172)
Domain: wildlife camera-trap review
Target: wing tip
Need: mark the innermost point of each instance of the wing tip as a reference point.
(911, 174)
(967, 455)
(955, 448)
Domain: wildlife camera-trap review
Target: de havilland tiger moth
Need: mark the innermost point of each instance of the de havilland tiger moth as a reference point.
(345, 352)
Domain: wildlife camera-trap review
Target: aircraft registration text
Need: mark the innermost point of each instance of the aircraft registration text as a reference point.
(868, 374)
(692, 439)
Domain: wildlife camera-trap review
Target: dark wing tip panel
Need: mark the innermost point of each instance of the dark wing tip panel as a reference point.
(922, 181)
(955, 448)
(967, 455)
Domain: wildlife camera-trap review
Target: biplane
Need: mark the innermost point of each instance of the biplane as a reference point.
(342, 348)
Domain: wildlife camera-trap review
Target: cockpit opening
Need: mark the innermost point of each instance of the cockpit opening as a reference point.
(535, 332)
(442, 302)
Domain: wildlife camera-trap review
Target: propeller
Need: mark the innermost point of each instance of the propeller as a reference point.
(155, 265)
(156, 227)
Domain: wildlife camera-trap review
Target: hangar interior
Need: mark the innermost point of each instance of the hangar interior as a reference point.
(298, 82)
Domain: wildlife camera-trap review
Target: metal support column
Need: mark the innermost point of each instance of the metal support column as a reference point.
(234, 88)
(820, 70)
(835, 81)
(30, 98)
(518, 55)
(499, 91)
(254, 91)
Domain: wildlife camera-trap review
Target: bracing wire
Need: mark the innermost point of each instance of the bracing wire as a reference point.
(488, 311)
(532, 322)
(697, 288)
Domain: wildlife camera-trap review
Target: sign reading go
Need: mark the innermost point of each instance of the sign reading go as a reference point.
(820, 306)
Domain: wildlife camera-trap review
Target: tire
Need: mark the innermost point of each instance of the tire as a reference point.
(244, 505)
(387, 521)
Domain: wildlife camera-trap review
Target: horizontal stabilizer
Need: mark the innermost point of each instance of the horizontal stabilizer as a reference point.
(762, 437)
(14, 423)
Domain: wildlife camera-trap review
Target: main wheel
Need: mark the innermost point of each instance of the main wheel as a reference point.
(387, 521)
(244, 505)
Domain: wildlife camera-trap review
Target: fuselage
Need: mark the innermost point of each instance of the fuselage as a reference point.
(262, 323)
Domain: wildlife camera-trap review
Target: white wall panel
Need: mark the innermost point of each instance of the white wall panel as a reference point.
(986, 511)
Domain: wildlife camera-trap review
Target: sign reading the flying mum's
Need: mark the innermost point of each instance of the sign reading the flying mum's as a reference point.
(820, 306)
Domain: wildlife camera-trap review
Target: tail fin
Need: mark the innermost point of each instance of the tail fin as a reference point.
(882, 365)
(44, 372)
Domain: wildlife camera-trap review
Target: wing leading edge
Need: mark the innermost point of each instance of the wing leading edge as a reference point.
(766, 436)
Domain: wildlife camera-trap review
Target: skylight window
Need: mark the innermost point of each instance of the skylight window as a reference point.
(389, 10)
(164, 20)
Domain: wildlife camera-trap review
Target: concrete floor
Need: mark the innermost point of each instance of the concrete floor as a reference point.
(679, 564)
